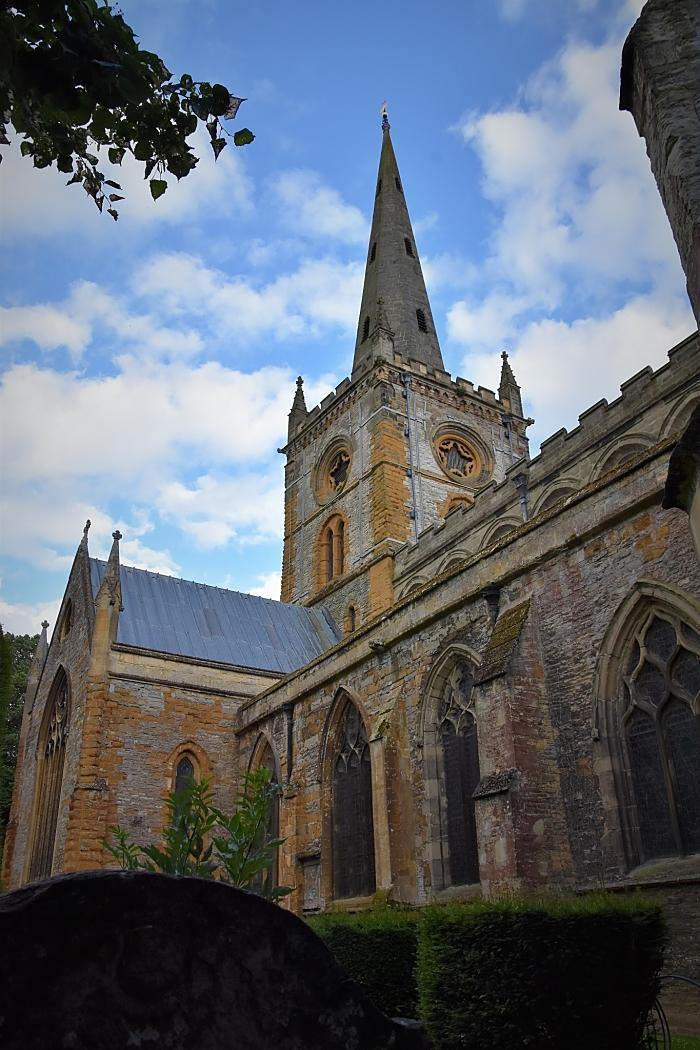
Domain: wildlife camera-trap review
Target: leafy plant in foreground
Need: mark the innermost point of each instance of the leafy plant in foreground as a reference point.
(202, 841)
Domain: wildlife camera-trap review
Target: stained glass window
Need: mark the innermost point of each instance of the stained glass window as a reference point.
(460, 762)
(353, 826)
(52, 750)
(184, 773)
(662, 735)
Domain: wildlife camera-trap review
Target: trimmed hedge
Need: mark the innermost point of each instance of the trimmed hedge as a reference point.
(571, 973)
(378, 950)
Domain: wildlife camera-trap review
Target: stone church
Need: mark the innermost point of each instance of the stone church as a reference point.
(484, 673)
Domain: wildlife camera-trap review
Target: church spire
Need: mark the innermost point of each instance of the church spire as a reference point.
(393, 275)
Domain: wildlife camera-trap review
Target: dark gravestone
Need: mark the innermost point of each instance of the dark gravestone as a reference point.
(108, 960)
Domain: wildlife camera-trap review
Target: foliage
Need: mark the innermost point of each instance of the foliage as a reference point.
(573, 972)
(202, 841)
(73, 82)
(378, 950)
(16, 652)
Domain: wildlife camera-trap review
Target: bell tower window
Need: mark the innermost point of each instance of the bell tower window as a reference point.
(420, 318)
(365, 329)
(332, 549)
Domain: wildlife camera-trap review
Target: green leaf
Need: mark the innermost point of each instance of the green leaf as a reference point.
(158, 188)
(26, 148)
(217, 146)
(243, 137)
(142, 151)
(112, 212)
(115, 154)
(65, 163)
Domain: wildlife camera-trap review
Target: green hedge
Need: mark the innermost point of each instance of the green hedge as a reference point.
(573, 973)
(378, 950)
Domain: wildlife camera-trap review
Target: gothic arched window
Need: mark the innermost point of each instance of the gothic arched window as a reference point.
(409, 246)
(373, 253)
(661, 734)
(184, 773)
(51, 758)
(422, 323)
(266, 760)
(460, 775)
(332, 550)
(353, 826)
(365, 329)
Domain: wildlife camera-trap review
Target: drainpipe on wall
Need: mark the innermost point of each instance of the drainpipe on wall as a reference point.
(405, 379)
(288, 709)
(520, 482)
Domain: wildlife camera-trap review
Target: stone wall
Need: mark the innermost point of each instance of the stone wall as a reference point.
(546, 826)
(388, 418)
(69, 649)
(659, 86)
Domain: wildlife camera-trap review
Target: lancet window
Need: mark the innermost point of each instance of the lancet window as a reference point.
(184, 773)
(333, 549)
(422, 323)
(266, 760)
(352, 827)
(51, 760)
(460, 768)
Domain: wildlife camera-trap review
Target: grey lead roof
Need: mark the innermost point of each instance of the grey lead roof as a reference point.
(209, 623)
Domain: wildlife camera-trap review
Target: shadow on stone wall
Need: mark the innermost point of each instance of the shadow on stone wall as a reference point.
(107, 960)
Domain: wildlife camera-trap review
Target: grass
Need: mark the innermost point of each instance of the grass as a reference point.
(685, 1042)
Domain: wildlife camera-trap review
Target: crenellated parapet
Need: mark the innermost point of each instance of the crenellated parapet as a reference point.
(652, 408)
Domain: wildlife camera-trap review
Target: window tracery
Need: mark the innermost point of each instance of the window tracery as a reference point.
(50, 777)
(457, 457)
(184, 773)
(460, 764)
(338, 470)
(661, 733)
(352, 826)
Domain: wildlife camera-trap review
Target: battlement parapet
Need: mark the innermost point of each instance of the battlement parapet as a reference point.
(567, 462)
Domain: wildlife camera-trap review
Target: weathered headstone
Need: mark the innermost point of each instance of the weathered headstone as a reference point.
(107, 960)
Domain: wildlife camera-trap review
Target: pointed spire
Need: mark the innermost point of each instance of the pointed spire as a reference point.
(393, 274)
(37, 665)
(508, 389)
(298, 412)
(84, 541)
(110, 586)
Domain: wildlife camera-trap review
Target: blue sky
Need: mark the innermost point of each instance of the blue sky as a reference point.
(148, 366)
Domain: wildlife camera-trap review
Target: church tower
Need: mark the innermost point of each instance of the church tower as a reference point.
(395, 447)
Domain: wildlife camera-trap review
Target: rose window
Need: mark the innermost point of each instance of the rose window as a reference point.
(457, 457)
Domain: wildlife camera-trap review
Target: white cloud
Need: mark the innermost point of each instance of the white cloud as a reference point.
(218, 507)
(583, 282)
(564, 368)
(37, 202)
(90, 311)
(270, 585)
(27, 617)
(312, 209)
(567, 171)
(321, 293)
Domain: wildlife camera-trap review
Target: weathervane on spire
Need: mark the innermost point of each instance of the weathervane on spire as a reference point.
(385, 116)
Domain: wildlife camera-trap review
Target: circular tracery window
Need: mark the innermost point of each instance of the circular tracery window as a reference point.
(332, 471)
(457, 457)
(338, 470)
